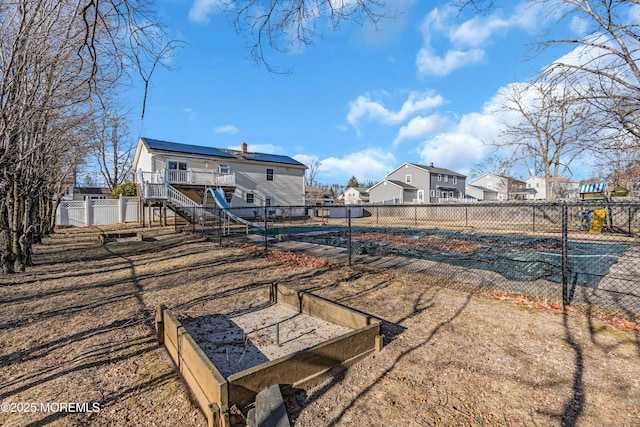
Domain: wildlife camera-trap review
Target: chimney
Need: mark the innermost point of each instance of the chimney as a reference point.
(431, 164)
(244, 147)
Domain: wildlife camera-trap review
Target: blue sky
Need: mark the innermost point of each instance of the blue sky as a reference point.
(361, 101)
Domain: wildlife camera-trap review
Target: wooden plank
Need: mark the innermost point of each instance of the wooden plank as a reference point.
(299, 367)
(207, 377)
(313, 305)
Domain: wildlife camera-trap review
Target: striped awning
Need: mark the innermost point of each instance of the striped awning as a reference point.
(592, 188)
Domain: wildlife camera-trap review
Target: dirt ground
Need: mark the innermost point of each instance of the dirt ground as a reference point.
(78, 347)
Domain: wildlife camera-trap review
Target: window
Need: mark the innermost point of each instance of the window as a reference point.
(175, 165)
(407, 179)
(451, 194)
(224, 169)
(269, 174)
(438, 193)
(268, 201)
(446, 178)
(421, 195)
(249, 197)
(455, 180)
(439, 177)
(433, 193)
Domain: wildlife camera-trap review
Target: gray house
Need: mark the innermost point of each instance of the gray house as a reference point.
(414, 183)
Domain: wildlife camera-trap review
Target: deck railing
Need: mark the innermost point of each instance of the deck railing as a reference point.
(173, 176)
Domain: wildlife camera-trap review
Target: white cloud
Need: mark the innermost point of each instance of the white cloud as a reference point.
(191, 115)
(465, 41)
(429, 63)
(226, 129)
(368, 165)
(466, 143)
(477, 31)
(420, 127)
(365, 108)
(579, 25)
(201, 10)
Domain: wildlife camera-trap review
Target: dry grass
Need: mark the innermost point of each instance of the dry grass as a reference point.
(77, 327)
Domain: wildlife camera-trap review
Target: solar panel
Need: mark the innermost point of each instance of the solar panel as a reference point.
(175, 147)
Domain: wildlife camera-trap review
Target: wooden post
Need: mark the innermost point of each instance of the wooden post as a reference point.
(160, 323)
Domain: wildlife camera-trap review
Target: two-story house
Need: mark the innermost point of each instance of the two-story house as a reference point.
(415, 183)
(561, 187)
(355, 196)
(498, 187)
(183, 174)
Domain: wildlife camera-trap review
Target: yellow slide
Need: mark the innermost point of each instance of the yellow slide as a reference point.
(598, 220)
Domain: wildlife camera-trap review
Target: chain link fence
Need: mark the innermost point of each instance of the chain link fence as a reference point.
(569, 253)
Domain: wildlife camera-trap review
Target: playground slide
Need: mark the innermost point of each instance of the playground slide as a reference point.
(218, 195)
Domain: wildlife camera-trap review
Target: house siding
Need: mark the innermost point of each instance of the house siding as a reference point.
(385, 192)
(419, 179)
(286, 189)
(493, 182)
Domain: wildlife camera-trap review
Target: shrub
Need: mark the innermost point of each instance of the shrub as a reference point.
(126, 189)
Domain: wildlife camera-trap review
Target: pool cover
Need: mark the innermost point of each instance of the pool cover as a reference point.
(516, 258)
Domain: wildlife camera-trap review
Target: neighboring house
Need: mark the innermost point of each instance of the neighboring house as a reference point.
(565, 188)
(249, 179)
(318, 196)
(498, 187)
(355, 196)
(414, 183)
(84, 193)
(538, 187)
(481, 193)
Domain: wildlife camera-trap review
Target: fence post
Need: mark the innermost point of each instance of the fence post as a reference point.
(349, 246)
(565, 257)
(266, 212)
(533, 219)
(121, 212)
(87, 211)
(466, 216)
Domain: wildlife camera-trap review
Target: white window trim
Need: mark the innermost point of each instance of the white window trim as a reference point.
(177, 162)
(407, 179)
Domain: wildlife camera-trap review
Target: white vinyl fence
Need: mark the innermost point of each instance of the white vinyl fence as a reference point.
(81, 213)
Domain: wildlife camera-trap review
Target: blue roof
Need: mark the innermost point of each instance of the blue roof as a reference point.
(155, 144)
(592, 188)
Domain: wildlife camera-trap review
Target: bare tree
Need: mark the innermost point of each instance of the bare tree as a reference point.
(112, 146)
(284, 26)
(603, 67)
(546, 123)
(57, 60)
(313, 167)
(495, 164)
